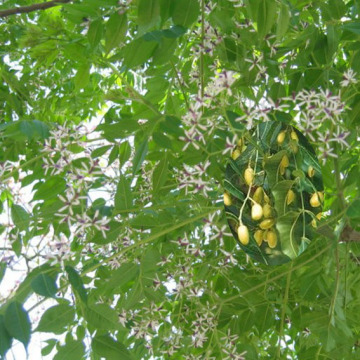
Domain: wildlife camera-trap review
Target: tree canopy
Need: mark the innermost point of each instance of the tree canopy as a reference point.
(122, 124)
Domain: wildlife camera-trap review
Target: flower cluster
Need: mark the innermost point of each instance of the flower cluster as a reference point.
(314, 111)
(191, 179)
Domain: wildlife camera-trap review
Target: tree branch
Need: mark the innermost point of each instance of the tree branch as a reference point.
(33, 7)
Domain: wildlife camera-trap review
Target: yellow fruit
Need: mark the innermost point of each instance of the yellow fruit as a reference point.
(267, 211)
(290, 197)
(281, 137)
(271, 238)
(243, 234)
(314, 222)
(294, 136)
(315, 199)
(240, 143)
(267, 224)
(266, 198)
(249, 175)
(227, 199)
(258, 195)
(259, 236)
(311, 171)
(282, 170)
(284, 161)
(256, 212)
(235, 154)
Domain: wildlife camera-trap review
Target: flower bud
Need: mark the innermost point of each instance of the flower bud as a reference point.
(243, 234)
(249, 175)
(256, 212)
(227, 199)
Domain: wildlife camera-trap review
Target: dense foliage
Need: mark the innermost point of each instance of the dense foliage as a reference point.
(117, 122)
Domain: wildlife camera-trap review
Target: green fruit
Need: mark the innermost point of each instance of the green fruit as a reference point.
(267, 211)
(259, 236)
(267, 224)
(271, 238)
(258, 195)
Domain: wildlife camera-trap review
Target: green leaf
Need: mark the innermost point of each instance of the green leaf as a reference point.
(116, 28)
(125, 152)
(3, 267)
(101, 316)
(140, 154)
(160, 175)
(76, 283)
(354, 209)
(162, 140)
(138, 51)
(5, 338)
(185, 12)
(119, 277)
(95, 32)
(266, 17)
(283, 20)
(44, 285)
(72, 350)
(17, 322)
(123, 195)
(148, 13)
(82, 76)
(105, 346)
(56, 319)
(52, 186)
(100, 151)
(20, 217)
(289, 233)
(48, 348)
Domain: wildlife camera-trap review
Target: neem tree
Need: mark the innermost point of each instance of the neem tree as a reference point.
(118, 236)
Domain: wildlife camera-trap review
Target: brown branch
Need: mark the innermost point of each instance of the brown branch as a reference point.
(34, 7)
(349, 234)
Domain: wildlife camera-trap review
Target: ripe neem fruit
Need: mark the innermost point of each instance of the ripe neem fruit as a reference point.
(276, 190)
(243, 234)
(249, 175)
(227, 199)
(256, 212)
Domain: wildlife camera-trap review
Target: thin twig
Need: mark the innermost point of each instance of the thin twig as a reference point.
(34, 7)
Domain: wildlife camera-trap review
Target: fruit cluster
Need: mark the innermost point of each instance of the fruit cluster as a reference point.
(273, 192)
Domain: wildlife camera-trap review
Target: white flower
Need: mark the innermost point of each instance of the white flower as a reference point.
(349, 77)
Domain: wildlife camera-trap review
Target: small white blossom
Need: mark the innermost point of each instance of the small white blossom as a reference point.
(349, 77)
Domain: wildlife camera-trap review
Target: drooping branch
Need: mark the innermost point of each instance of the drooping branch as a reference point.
(33, 7)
